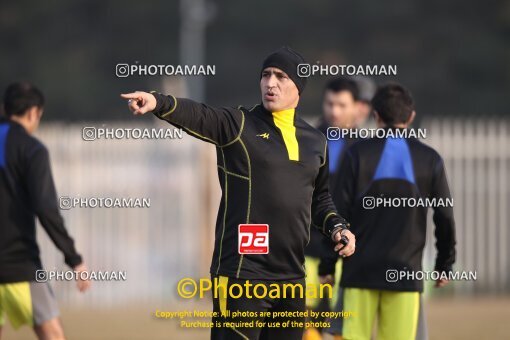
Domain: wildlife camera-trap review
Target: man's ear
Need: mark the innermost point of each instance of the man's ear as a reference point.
(411, 118)
(33, 114)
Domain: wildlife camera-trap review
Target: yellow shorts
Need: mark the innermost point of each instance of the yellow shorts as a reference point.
(27, 303)
(397, 314)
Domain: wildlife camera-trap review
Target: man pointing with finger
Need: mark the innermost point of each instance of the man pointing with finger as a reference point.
(273, 171)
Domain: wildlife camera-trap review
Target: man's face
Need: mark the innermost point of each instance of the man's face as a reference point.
(278, 91)
(340, 109)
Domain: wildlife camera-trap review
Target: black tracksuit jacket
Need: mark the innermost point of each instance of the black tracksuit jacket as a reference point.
(272, 169)
(26, 192)
(392, 238)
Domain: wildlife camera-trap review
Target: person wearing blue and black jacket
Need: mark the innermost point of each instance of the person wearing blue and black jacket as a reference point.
(340, 106)
(27, 192)
(391, 239)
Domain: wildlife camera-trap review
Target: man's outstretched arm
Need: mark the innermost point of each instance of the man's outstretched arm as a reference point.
(219, 126)
(325, 216)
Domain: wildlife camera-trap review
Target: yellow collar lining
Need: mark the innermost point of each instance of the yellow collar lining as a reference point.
(284, 120)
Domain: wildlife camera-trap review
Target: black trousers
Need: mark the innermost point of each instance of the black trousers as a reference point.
(254, 317)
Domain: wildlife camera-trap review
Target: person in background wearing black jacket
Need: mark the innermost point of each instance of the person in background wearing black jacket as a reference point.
(26, 192)
(340, 106)
(392, 237)
(273, 170)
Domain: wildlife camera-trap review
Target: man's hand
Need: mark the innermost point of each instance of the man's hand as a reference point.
(441, 283)
(326, 279)
(348, 249)
(140, 102)
(82, 285)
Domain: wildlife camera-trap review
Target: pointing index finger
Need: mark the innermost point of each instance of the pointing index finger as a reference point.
(132, 95)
